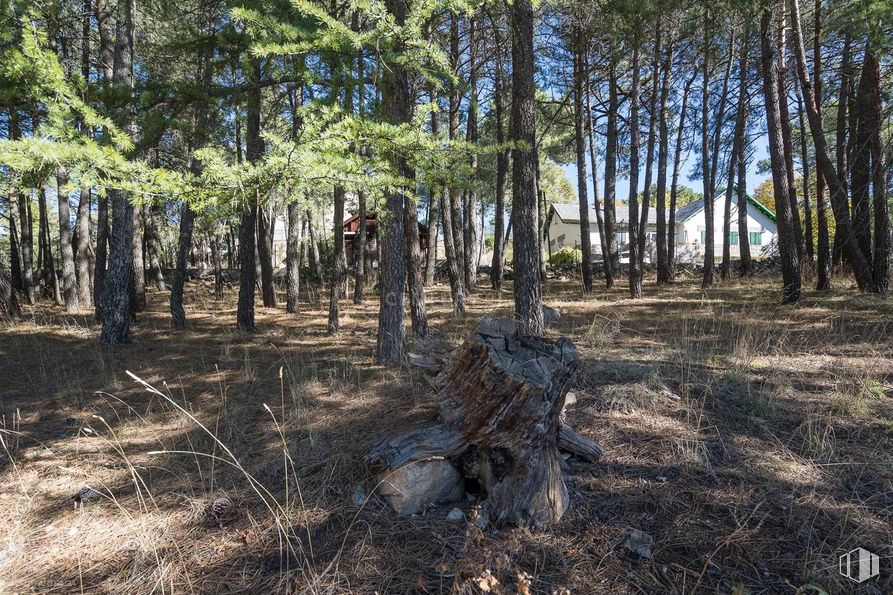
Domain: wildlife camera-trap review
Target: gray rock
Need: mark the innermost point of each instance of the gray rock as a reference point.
(550, 315)
(417, 485)
(637, 542)
(456, 514)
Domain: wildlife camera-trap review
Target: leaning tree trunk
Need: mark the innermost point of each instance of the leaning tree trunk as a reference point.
(858, 260)
(501, 398)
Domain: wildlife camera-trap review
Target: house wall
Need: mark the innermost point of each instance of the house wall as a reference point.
(689, 233)
(562, 234)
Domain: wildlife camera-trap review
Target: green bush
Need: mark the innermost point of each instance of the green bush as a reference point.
(565, 257)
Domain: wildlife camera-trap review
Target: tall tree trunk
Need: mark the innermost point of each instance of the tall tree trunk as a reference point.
(502, 158)
(66, 252)
(525, 257)
(360, 238)
(841, 142)
(292, 259)
(414, 258)
(580, 146)
(635, 268)
(705, 158)
(746, 263)
(663, 272)
(454, 270)
(397, 109)
(612, 258)
(138, 279)
(9, 302)
(455, 101)
(152, 214)
(360, 250)
(649, 152)
(674, 181)
(50, 279)
(787, 136)
(265, 221)
(106, 59)
(25, 223)
(469, 227)
(254, 149)
(739, 161)
(872, 122)
(116, 295)
(808, 237)
(860, 163)
(84, 279)
(338, 272)
(15, 268)
(187, 215)
(787, 243)
(599, 218)
(857, 259)
(314, 251)
(432, 221)
(823, 279)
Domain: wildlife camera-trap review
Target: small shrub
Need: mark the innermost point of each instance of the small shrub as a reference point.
(566, 257)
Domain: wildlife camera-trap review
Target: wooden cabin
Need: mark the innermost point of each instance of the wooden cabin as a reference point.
(351, 227)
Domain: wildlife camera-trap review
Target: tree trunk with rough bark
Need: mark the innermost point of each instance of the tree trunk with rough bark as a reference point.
(612, 258)
(9, 301)
(66, 251)
(823, 278)
(634, 270)
(705, 159)
(254, 149)
(502, 158)
(292, 259)
(674, 181)
(857, 259)
(787, 242)
(525, 255)
(265, 220)
(397, 109)
(580, 149)
(663, 274)
(84, 278)
(414, 258)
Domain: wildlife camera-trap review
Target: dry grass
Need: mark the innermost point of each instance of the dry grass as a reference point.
(751, 441)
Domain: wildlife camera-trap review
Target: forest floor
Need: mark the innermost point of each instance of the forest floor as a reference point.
(751, 441)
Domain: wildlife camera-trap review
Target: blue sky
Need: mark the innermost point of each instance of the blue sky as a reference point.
(689, 161)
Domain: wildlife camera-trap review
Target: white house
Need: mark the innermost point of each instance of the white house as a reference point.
(563, 228)
(691, 228)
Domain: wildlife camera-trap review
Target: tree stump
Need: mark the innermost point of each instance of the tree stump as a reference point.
(501, 399)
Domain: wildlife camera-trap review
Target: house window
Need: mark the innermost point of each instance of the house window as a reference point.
(621, 237)
(733, 238)
(703, 237)
(561, 241)
(756, 238)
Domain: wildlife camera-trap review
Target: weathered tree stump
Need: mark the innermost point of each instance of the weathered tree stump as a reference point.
(501, 398)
